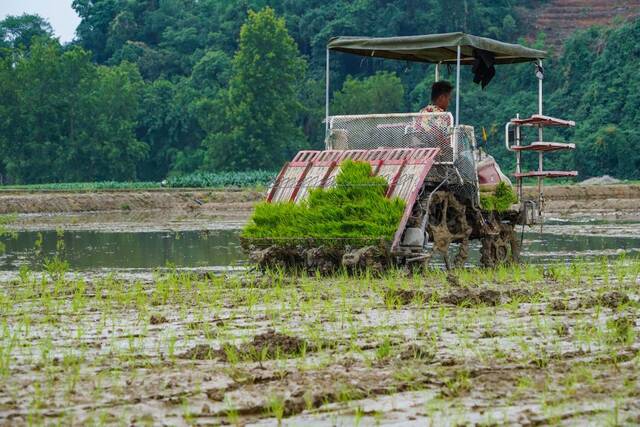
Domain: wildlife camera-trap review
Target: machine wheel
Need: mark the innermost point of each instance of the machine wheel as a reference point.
(448, 224)
(501, 247)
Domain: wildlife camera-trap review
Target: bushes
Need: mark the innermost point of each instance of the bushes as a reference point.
(356, 208)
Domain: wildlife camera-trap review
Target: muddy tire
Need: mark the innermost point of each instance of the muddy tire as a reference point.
(372, 259)
(277, 257)
(448, 224)
(500, 248)
(323, 260)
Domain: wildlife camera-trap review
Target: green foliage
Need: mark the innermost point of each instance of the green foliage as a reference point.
(591, 83)
(188, 43)
(380, 93)
(67, 119)
(356, 208)
(19, 31)
(168, 99)
(258, 127)
(500, 200)
(246, 179)
(601, 92)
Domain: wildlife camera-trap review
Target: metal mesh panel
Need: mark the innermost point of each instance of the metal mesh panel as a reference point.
(465, 163)
(455, 162)
(428, 130)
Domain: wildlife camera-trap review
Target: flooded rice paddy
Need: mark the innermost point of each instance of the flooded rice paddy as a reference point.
(554, 341)
(216, 244)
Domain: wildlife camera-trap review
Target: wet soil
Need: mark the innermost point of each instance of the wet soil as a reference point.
(619, 202)
(265, 346)
(126, 200)
(522, 346)
(189, 209)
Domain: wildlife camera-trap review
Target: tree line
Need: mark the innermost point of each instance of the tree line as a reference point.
(153, 88)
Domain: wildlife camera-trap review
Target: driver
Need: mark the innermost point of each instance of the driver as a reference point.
(440, 99)
(433, 129)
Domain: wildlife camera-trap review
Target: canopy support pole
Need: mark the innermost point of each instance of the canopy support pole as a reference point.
(540, 154)
(540, 78)
(326, 97)
(458, 86)
(437, 72)
(540, 89)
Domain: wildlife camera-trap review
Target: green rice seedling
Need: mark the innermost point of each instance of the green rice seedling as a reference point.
(502, 274)
(620, 331)
(309, 400)
(78, 301)
(500, 200)
(532, 273)
(231, 411)
(37, 245)
(276, 407)
(7, 345)
(383, 351)
(355, 209)
(358, 415)
(187, 414)
(171, 346)
(620, 270)
(604, 271)
(467, 276)
(458, 384)
(614, 415)
(346, 393)
(407, 375)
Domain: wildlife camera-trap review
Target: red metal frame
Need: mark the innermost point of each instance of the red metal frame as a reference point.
(542, 120)
(425, 157)
(544, 146)
(330, 159)
(277, 182)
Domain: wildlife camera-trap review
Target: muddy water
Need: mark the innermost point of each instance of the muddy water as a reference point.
(217, 244)
(87, 250)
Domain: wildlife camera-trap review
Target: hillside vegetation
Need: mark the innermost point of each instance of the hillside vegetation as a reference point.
(151, 89)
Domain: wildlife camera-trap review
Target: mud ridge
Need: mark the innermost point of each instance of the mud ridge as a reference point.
(265, 346)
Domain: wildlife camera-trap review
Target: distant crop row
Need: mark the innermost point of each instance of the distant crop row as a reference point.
(222, 179)
(247, 179)
(79, 186)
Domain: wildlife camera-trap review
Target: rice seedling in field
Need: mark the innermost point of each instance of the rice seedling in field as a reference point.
(91, 343)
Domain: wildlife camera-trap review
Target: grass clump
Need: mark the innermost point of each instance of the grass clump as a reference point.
(356, 208)
(500, 200)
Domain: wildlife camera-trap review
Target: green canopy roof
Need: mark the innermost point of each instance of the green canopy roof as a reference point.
(434, 48)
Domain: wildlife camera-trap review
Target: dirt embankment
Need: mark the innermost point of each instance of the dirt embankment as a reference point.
(100, 201)
(621, 201)
(558, 19)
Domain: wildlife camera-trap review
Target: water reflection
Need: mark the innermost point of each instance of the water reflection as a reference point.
(87, 250)
(90, 249)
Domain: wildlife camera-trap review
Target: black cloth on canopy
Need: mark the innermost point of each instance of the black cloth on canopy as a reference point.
(483, 67)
